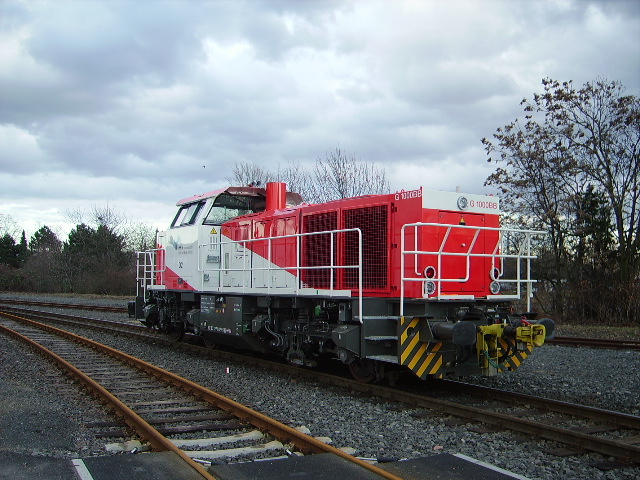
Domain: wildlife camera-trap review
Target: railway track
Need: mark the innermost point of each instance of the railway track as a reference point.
(158, 404)
(579, 427)
(596, 343)
(573, 425)
(560, 421)
(98, 308)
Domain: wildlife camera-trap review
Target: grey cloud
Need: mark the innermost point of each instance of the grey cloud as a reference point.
(130, 99)
(111, 42)
(14, 16)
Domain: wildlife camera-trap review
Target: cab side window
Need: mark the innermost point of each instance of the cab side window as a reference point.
(188, 214)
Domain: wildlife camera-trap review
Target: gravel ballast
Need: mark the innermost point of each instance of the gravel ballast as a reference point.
(601, 378)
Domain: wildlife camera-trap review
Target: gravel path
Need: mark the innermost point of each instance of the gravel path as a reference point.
(602, 378)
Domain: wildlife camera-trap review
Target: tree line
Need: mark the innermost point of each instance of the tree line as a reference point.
(97, 257)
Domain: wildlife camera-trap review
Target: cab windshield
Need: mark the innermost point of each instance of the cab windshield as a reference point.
(226, 206)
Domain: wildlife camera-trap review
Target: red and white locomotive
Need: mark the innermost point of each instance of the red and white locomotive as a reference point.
(418, 279)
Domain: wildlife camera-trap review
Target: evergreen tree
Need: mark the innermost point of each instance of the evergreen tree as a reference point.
(44, 240)
(43, 264)
(8, 251)
(22, 250)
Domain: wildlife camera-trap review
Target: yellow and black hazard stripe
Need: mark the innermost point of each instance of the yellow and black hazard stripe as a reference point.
(422, 358)
(515, 357)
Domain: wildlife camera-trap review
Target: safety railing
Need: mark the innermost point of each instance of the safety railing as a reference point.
(248, 267)
(511, 245)
(226, 253)
(149, 271)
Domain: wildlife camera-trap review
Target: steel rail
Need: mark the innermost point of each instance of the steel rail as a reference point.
(617, 418)
(99, 324)
(596, 342)
(305, 443)
(131, 418)
(101, 308)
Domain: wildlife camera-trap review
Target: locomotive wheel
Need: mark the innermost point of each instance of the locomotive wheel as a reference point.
(363, 370)
(176, 332)
(208, 342)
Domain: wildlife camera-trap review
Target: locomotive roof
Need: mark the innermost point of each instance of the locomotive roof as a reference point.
(292, 197)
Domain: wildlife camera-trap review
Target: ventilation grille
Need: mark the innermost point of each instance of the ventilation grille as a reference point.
(316, 249)
(372, 221)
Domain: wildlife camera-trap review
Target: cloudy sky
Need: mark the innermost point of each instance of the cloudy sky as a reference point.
(136, 104)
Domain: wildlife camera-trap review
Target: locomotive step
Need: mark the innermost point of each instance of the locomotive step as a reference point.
(384, 358)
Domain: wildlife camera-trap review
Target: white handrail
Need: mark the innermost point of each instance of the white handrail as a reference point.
(146, 270)
(149, 279)
(439, 277)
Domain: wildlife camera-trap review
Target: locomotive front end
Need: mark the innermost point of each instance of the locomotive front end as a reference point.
(490, 346)
(462, 279)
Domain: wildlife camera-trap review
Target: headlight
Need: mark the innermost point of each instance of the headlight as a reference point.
(430, 272)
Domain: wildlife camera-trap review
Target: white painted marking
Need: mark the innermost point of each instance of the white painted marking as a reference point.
(81, 469)
(490, 467)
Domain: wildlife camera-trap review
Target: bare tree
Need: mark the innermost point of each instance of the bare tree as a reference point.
(99, 251)
(246, 173)
(573, 167)
(342, 175)
(338, 175)
(8, 225)
(297, 178)
(106, 216)
(139, 237)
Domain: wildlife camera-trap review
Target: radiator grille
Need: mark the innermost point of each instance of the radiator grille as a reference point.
(372, 221)
(316, 249)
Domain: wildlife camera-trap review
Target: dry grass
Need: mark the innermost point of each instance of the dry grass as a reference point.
(599, 331)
